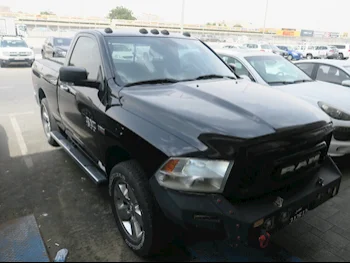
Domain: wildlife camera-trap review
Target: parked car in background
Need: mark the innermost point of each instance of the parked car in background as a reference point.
(15, 51)
(308, 51)
(329, 52)
(292, 54)
(258, 47)
(344, 50)
(55, 47)
(279, 51)
(278, 73)
(331, 71)
(235, 46)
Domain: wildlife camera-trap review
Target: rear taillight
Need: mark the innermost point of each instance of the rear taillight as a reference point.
(262, 50)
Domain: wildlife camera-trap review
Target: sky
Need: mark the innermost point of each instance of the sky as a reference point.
(299, 14)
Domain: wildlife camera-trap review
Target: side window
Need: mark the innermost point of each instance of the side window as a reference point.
(86, 55)
(307, 68)
(331, 74)
(240, 68)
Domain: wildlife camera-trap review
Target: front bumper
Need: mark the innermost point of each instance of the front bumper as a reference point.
(238, 221)
(17, 60)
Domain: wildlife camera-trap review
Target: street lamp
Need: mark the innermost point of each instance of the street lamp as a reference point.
(267, 6)
(182, 16)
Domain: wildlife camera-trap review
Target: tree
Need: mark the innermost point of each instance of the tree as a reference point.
(47, 13)
(237, 25)
(120, 12)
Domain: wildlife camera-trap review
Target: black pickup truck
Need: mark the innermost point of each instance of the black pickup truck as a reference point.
(177, 135)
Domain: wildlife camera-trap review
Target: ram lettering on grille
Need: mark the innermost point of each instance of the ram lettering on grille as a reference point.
(300, 165)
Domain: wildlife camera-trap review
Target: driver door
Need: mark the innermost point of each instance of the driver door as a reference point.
(79, 105)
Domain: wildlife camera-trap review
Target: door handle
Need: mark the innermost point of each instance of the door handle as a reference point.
(65, 88)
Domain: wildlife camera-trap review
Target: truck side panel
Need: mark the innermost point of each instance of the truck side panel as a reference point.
(45, 78)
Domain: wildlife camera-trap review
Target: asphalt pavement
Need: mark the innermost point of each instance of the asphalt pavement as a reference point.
(73, 213)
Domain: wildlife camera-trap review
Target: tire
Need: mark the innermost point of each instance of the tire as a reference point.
(48, 121)
(309, 56)
(129, 175)
(290, 57)
(341, 56)
(42, 54)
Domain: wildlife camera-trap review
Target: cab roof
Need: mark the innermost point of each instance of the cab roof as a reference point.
(108, 32)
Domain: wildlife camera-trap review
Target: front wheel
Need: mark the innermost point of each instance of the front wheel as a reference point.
(341, 56)
(290, 57)
(136, 212)
(309, 56)
(49, 123)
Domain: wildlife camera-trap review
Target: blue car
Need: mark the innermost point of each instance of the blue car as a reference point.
(292, 54)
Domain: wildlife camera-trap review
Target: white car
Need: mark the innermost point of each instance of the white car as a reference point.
(14, 50)
(344, 51)
(275, 71)
(259, 47)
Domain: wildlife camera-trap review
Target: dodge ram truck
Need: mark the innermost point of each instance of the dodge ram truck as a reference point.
(176, 135)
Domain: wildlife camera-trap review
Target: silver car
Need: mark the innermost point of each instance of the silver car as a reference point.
(331, 71)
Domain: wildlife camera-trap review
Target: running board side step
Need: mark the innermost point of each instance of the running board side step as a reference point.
(89, 168)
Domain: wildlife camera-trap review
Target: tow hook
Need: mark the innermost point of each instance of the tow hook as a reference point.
(264, 239)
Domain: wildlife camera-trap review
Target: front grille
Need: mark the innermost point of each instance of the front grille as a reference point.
(280, 161)
(341, 133)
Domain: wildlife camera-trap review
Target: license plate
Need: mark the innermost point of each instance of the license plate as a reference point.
(298, 214)
(18, 58)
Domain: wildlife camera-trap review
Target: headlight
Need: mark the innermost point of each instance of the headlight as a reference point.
(194, 175)
(334, 112)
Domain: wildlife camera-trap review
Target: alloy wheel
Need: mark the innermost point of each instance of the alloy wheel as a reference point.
(128, 211)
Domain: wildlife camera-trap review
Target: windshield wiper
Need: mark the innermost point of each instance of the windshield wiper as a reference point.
(281, 82)
(303, 80)
(152, 81)
(212, 76)
(289, 82)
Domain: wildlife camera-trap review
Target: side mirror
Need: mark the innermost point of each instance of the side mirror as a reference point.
(245, 77)
(31, 47)
(73, 74)
(346, 83)
(232, 66)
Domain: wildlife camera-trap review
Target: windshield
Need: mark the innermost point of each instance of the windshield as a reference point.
(139, 59)
(276, 69)
(13, 43)
(59, 42)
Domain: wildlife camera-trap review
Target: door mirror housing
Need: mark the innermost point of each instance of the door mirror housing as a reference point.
(232, 66)
(346, 83)
(74, 75)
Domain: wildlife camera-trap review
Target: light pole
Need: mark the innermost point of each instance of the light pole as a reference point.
(267, 6)
(182, 16)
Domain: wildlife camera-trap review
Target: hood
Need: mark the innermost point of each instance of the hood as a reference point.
(227, 107)
(335, 95)
(63, 48)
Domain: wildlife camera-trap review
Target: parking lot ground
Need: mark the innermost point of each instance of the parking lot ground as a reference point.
(73, 213)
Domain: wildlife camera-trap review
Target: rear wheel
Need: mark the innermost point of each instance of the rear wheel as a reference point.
(49, 123)
(136, 212)
(341, 56)
(309, 56)
(290, 57)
